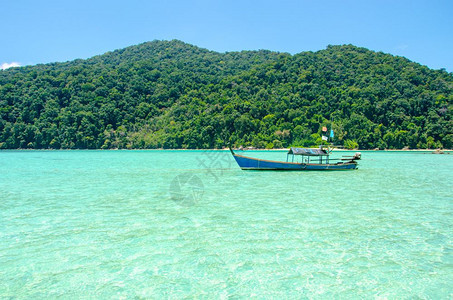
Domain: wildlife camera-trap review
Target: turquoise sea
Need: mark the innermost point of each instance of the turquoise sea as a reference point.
(176, 224)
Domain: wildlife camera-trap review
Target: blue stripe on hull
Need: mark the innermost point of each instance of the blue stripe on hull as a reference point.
(247, 163)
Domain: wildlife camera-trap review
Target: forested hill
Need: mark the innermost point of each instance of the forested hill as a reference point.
(168, 94)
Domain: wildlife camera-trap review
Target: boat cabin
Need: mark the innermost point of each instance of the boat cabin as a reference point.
(309, 152)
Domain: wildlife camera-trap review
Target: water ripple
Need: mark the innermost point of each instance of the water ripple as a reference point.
(105, 224)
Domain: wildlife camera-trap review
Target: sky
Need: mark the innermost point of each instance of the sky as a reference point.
(34, 32)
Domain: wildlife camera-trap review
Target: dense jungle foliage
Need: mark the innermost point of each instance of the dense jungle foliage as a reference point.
(168, 94)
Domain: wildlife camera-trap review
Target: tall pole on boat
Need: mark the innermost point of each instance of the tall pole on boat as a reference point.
(323, 137)
(331, 138)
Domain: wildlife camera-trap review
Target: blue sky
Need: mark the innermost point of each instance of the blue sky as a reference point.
(45, 31)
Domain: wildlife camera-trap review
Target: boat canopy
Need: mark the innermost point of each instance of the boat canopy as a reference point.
(308, 151)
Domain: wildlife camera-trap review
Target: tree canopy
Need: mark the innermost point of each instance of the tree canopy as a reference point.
(169, 94)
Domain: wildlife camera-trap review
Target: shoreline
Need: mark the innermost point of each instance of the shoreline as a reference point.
(226, 149)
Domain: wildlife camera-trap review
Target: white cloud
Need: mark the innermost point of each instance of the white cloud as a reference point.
(9, 65)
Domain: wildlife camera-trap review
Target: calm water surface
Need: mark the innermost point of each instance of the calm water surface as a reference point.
(173, 224)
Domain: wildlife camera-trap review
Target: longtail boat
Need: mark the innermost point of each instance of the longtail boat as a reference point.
(312, 159)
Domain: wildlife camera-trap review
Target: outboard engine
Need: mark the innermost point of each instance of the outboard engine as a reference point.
(357, 156)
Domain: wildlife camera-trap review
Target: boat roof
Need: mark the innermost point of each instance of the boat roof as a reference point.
(308, 151)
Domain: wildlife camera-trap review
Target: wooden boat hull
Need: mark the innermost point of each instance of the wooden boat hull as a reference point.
(249, 163)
